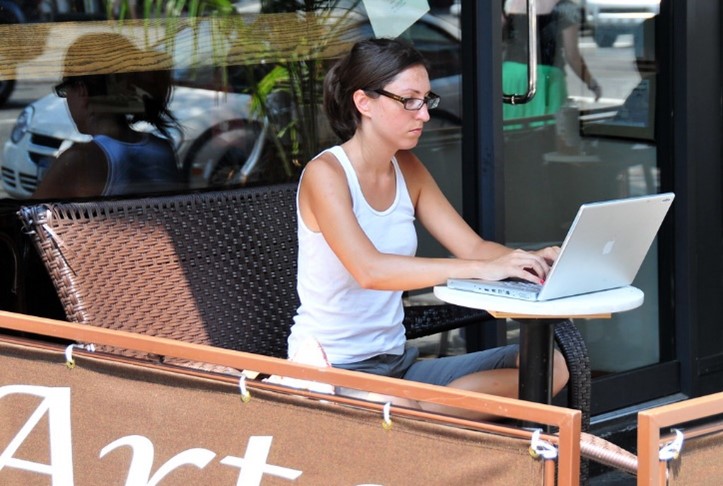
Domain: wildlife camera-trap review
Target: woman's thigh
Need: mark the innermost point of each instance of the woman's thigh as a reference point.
(443, 371)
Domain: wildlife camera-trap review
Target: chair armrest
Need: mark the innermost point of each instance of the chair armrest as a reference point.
(425, 320)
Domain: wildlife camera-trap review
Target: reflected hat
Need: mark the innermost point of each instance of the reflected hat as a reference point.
(112, 62)
(104, 53)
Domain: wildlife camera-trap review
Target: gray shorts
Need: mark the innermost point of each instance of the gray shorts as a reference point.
(436, 371)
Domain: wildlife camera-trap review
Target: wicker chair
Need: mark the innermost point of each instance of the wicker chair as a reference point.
(216, 268)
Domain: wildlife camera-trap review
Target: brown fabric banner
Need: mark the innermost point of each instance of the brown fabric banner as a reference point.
(110, 423)
(698, 462)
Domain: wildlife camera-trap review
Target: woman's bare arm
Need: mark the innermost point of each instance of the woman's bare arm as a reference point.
(325, 206)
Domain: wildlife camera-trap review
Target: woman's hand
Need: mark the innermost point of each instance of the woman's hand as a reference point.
(549, 253)
(532, 266)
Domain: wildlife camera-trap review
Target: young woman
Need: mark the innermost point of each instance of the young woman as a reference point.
(119, 160)
(357, 203)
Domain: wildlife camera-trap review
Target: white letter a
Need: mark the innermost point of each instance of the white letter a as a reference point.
(56, 402)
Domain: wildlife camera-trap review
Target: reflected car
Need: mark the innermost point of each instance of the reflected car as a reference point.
(610, 18)
(221, 141)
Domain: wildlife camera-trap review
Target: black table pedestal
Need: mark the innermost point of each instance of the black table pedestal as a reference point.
(536, 348)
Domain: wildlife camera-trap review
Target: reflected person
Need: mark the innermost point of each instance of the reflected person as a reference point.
(558, 26)
(119, 159)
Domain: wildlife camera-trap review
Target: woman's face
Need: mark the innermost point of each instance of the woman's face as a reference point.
(391, 119)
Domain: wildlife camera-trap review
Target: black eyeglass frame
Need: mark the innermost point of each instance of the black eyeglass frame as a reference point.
(431, 100)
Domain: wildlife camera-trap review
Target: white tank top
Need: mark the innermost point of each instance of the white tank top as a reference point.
(352, 323)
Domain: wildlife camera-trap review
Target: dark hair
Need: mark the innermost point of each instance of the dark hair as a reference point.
(136, 95)
(371, 64)
(157, 93)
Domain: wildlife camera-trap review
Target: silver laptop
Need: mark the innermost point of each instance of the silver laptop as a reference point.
(603, 249)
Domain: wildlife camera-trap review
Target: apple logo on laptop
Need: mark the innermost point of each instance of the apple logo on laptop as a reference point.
(608, 248)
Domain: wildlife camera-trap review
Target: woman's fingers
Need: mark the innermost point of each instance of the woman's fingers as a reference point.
(549, 253)
(525, 265)
(530, 266)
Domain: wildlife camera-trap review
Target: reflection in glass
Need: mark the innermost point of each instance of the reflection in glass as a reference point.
(119, 159)
(612, 155)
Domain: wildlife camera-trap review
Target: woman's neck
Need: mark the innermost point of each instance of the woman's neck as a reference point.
(113, 127)
(374, 171)
(366, 156)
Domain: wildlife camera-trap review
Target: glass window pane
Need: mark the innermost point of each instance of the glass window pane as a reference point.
(246, 94)
(587, 135)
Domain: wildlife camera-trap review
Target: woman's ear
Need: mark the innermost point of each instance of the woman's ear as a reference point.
(362, 101)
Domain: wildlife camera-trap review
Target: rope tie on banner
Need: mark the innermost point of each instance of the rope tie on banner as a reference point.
(245, 394)
(541, 448)
(386, 414)
(672, 449)
(69, 361)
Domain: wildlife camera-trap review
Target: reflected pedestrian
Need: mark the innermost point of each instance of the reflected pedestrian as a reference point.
(558, 29)
(120, 159)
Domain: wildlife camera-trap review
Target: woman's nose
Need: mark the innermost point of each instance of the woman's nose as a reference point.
(423, 113)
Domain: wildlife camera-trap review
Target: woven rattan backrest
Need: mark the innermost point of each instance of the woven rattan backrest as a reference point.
(215, 268)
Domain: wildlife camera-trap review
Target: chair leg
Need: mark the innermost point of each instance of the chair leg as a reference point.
(572, 346)
(443, 344)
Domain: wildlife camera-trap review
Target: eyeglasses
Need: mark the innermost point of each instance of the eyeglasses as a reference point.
(413, 104)
(61, 90)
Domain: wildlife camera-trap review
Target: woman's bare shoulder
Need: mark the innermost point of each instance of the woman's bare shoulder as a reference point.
(79, 171)
(408, 161)
(82, 155)
(323, 169)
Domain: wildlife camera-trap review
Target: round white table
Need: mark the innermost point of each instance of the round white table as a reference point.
(537, 321)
